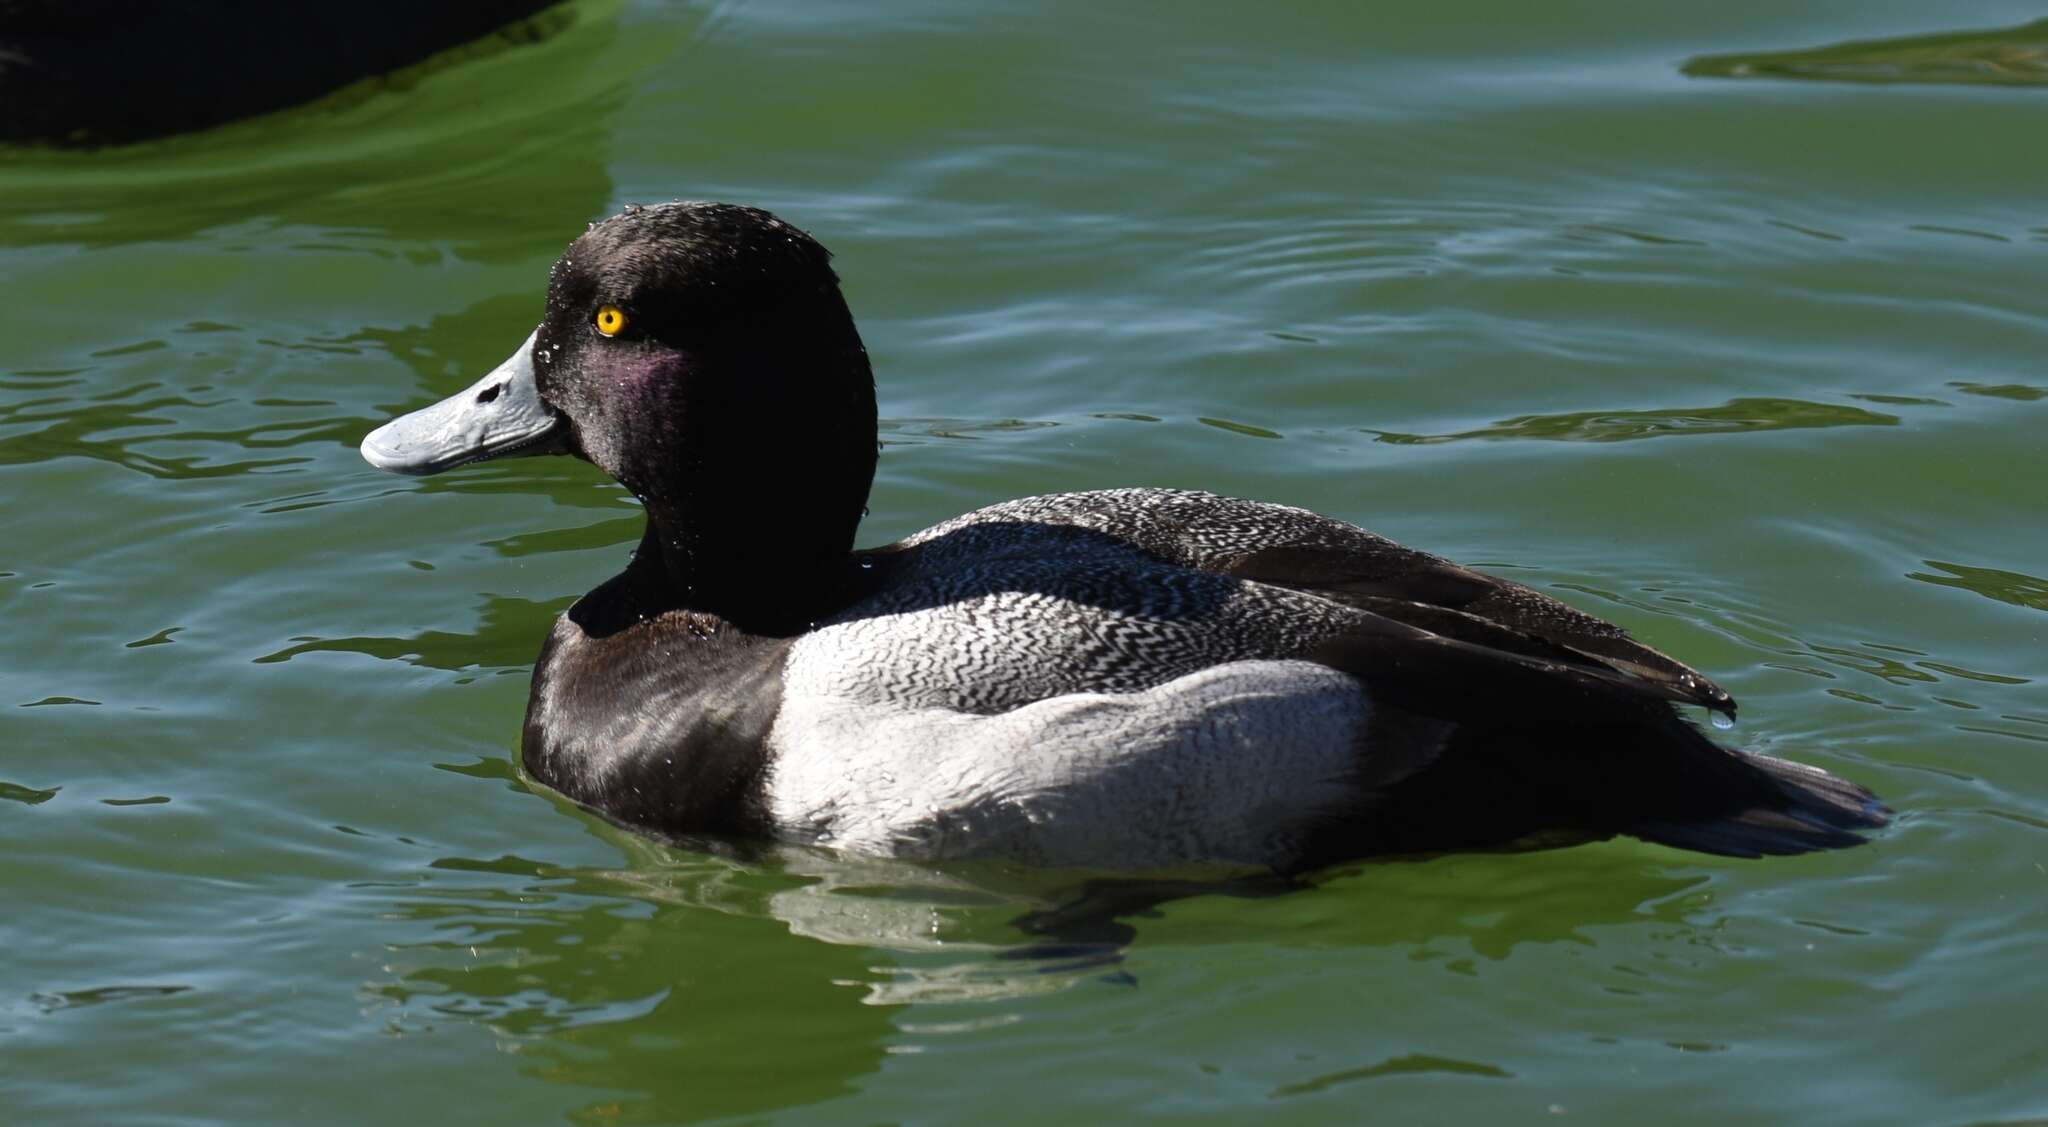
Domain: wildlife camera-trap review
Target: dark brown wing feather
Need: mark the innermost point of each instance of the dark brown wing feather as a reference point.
(1457, 606)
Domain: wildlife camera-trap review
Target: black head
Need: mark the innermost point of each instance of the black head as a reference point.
(729, 330)
(702, 355)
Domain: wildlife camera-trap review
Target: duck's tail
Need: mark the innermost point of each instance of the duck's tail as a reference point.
(1801, 810)
(1453, 761)
(1653, 776)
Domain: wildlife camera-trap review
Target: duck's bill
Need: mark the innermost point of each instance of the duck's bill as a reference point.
(499, 416)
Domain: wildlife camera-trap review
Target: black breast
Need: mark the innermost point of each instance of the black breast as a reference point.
(661, 724)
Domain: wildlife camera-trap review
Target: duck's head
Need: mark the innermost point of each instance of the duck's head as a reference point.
(701, 354)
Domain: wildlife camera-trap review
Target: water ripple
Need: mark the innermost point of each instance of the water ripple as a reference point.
(2012, 587)
(1397, 1066)
(2012, 56)
(1734, 416)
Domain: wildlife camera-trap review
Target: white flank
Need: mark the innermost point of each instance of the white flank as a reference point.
(1227, 764)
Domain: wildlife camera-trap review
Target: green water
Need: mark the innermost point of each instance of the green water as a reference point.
(1755, 368)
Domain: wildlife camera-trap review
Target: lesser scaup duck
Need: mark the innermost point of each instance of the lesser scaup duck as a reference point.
(1124, 678)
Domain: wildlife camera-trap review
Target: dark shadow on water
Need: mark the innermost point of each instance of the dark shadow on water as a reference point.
(2018, 392)
(2016, 588)
(27, 796)
(53, 1001)
(1397, 1066)
(1245, 429)
(509, 637)
(1733, 417)
(907, 430)
(122, 427)
(2012, 56)
(619, 532)
(1096, 913)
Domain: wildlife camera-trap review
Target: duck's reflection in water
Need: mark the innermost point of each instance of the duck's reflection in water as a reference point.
(712, 981)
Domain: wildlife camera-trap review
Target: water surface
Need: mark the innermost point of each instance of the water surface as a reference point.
(1753, 368)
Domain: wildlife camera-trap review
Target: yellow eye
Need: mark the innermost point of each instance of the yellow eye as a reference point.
(610, 320)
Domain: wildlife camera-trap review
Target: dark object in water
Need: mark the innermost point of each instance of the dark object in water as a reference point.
(102, 72)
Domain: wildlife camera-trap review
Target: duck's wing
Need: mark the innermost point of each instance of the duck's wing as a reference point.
(1548, 719)
(1434, 610)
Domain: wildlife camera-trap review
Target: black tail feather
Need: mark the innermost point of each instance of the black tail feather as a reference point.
(1656, 777)
(1489, 739)
(1806, 810)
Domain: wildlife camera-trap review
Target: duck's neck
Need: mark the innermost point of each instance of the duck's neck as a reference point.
(753, 525)
(755, 474)
(762, 568)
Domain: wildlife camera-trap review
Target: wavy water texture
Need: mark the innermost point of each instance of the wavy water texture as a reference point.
(582, 987)
(1736, 416)
(2012, 587)
(2012, 56)
(261, 795)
